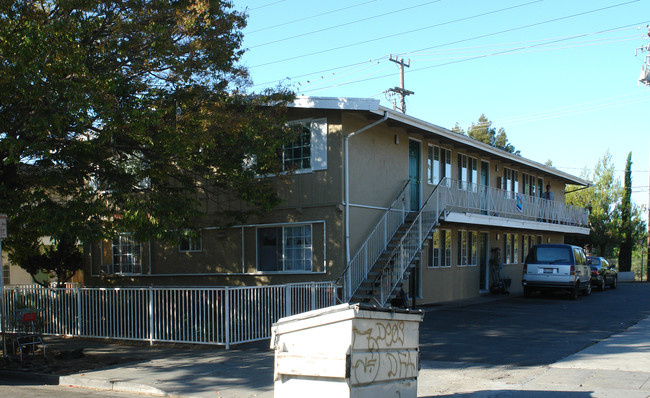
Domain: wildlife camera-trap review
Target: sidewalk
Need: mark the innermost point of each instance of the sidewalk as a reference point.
(618, 366)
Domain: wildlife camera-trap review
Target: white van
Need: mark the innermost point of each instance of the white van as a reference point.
(556, 267)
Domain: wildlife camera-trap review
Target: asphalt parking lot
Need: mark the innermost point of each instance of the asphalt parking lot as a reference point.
(530, 332)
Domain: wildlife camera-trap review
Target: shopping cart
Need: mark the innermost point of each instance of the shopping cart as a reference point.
(26, 336)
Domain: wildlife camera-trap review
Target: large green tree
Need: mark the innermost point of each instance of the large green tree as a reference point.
(608, 203)
(126, 116)
(602, 200)
(627, 228)
(484, 132)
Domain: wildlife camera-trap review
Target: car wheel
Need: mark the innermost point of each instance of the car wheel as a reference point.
(614, 283)
(587, 291)
(575, 291)
(601, 287)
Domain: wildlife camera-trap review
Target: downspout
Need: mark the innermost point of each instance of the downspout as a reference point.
(347, 182)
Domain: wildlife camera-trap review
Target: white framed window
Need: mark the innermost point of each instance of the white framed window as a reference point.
(462, 248)
(445, 164)
(473, 248)
(472, 176)
(309, 150)
(507, 250)
(433, 165)
(127, 255)
(440, 249)
(284, 249)
(467, 248)
(191, 241)
(462, 171)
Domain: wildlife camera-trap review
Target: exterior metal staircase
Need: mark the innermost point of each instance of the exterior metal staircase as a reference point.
(380, 265)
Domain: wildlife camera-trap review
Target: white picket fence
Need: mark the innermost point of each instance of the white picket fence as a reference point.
(199, 315)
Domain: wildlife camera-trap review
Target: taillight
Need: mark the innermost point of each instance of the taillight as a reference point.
(525, 268)
(573, 270)
(594, 272)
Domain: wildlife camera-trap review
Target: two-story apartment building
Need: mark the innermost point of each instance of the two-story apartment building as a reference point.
(380, 200)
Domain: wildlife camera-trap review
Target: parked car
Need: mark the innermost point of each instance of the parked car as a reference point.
(602, 273)
(556, 267)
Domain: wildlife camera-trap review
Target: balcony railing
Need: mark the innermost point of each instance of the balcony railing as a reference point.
(466, 197)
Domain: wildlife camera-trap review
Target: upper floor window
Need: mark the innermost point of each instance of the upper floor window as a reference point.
(433, 165)
(309, 150)
(510, 181)
(445, 165)
(462, 171)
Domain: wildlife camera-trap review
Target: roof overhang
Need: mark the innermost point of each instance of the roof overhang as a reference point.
(426, 128)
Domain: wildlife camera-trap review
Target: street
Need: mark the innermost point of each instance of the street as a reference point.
(530, 332)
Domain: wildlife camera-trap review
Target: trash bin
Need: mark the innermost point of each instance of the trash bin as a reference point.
(348, 350)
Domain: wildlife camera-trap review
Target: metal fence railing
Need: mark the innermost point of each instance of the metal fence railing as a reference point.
(201, 315)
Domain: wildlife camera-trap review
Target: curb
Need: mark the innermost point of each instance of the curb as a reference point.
(80, 381)
(40, 378)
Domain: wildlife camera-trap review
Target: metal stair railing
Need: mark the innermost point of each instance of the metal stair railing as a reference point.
(411, 243)
(359, 266)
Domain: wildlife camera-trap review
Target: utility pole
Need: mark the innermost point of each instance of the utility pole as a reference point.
(645, 79)
(401, 91)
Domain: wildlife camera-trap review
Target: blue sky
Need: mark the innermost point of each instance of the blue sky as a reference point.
(560, 76)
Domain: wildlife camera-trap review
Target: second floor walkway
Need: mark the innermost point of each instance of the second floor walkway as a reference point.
(481, 205)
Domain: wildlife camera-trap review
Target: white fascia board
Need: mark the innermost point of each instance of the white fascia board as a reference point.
(354, 104)
(504, 222)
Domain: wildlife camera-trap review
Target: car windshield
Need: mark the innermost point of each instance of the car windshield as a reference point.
(593, 261)
(552, 255)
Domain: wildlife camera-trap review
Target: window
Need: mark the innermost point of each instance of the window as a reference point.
(445, 166)
(434, 250)
(473, 248)
(446, 250)
(515, 248)
(467, 248)
(507, 179)
(440, 249)
(285, 249)
(297, 155)
(515, 182)
(526, 182)
(190, 241)
(127, 255)
(472, 177)
(462, 248)
(433, 165)
(462, 171)
(309, 150)
(507, 252)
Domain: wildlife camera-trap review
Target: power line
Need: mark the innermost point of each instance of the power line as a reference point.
(512, 51)
(505, 52)
(267, 4)
(309, 17)
(345, 24)
(395, 35)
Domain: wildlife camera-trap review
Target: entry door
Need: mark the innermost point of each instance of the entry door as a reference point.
(483, 241)
(485, 182)
(414, 174)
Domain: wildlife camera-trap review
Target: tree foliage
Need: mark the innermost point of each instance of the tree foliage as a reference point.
(627, 227)
(604, 200)
(484, 132)
(127, 116)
